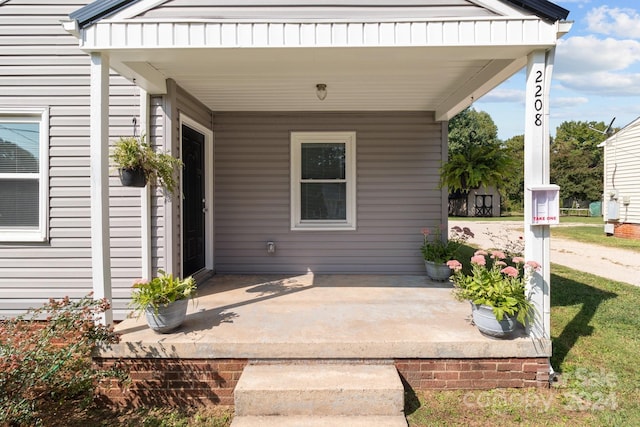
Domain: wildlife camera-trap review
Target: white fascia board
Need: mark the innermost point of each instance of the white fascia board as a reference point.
(146, 34)
(563, 28)
(72, 27)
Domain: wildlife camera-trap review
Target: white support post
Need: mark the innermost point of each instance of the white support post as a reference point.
(145, 194)
(536, 172)
(99, 171)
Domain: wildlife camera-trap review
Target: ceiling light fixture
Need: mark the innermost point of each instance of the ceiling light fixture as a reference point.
(321, 91)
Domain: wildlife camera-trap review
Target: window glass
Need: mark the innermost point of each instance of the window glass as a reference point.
(323, 181)
(19, 206)
(19, 147)
(323, 201)
(323, 161)
(23, 174)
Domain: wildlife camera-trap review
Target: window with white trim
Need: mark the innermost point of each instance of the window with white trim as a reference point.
(24, 165)
(323, 180)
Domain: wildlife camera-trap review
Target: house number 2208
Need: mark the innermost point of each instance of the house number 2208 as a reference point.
(537, 103)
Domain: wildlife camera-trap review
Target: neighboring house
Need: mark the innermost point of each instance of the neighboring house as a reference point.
(340, 185)
(480, 202)
(621, 207)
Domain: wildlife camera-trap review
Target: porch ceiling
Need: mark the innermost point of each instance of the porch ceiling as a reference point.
(358, 79)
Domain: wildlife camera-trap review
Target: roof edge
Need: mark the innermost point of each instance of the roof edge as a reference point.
(99, 9)
(543, 8)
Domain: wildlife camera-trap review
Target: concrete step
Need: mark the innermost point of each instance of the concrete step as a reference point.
(336, 421)
(319, 390)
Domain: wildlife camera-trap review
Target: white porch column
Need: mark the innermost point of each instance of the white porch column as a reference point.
(99, 171)
(145, 193)
(536, 172)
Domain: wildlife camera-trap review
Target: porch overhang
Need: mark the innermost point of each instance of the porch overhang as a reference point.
(429, 65)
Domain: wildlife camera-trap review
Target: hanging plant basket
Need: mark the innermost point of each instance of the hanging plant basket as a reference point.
(133, 177)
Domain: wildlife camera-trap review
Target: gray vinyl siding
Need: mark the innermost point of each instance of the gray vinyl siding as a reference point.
(398, 157)
(41, 66)
(621, 166)
(165, 113)
(282, 9)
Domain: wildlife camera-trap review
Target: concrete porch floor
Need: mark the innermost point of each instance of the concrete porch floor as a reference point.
(322, 317)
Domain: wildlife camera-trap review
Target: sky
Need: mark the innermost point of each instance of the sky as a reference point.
(596, 75)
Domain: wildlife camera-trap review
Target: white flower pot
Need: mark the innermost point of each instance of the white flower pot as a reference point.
(436, 271)
(487, 323)
(168, 318)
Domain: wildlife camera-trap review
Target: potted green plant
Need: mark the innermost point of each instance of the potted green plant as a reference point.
(496, 290)
(436, 251)
(138, 164)
(163, 299)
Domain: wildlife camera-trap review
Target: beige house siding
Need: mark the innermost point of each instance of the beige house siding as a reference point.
(398, 157)
(622, 173)
(41, 66)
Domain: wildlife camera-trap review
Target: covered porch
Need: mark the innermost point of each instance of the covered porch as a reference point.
(409, 324)
(323, 316)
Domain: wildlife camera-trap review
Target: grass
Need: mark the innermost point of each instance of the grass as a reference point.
(595, 324)
(594, 328)
(595, 235)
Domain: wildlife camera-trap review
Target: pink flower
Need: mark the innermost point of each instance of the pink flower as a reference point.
(478, 259)
(500, 263)
(138, 282)
(510, 271)
(498, 255)
(518, 260)
(480, 252)
(454, 265)
(425, 232)
(534, 265)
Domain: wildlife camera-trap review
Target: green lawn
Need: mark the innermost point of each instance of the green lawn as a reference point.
(595, 235)
(595, 324)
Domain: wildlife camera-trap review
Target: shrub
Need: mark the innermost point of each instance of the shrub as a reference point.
(45, 358)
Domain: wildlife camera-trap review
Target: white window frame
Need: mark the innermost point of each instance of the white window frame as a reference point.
(347, 138)
(41, 116)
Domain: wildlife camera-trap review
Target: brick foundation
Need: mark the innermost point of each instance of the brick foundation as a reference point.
(468, 374)
(207, 382)
(627, 231)
(172, 382)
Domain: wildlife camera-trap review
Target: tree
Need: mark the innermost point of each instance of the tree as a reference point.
(577, 161)
(471, 127)
(476, 156)
(513, 186)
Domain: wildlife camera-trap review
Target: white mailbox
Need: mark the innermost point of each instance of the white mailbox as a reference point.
(545, 205)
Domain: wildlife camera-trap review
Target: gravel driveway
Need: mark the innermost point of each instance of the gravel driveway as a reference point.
(615, 264)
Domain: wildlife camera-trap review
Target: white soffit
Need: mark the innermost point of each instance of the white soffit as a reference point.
(434, 65)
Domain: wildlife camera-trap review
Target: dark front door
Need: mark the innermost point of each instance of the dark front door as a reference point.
(193, 203)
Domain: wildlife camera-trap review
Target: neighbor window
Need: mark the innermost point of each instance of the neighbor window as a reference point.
(24, 136)
(323, 181)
